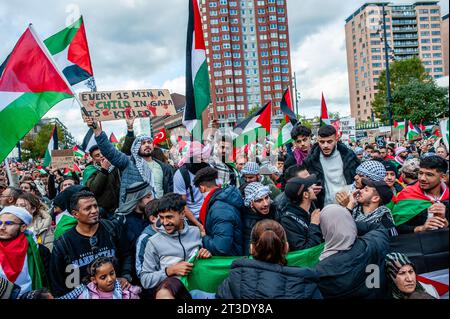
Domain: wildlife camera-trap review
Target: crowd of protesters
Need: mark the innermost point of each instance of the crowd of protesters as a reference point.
(130, 224)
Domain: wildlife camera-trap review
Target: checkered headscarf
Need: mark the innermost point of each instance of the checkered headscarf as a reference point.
(374, 170)
(255, 191)
(250, 168)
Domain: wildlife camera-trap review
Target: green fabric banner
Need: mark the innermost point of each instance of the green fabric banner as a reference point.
(66, 223)
(35, 265)
(208, 274)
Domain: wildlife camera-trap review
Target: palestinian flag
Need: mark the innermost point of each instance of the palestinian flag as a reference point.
(41, 170)
(21, 264)
(78, 152)
(413, 132)
(286, 107)
(197, 78)
(30, 85)
(64, 222)
(410, 202)
(324, 119)
(113, 139)
(70, 51)
(247, 131)
(218, 268)
(421, 126)
(399, 125)
(52, 145)
(285, 135)
(88, 140)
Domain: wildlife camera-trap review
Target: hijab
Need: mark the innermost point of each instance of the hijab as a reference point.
(338, 229)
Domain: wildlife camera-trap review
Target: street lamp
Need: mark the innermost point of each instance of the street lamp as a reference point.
(388, 74)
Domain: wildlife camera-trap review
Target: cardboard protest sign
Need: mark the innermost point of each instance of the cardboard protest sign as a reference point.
(62, 159)
(117, 105)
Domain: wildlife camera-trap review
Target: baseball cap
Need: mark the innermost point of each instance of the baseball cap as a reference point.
(296, 185)
(382, 189)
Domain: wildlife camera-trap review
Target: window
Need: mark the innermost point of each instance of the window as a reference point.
(438, 69)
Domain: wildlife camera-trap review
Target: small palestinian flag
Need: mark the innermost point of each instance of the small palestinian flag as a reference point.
(399, 125)
(324, 118)
(52, 145)
(78, 152)
(413, 132)
(113, 139)
(247, 131)
(285, 135)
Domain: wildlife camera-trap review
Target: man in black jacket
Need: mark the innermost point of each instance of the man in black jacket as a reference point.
(89, 239)
(340, 163)
(104, 181)
(302, 227)
(301, 135)
(259, 206)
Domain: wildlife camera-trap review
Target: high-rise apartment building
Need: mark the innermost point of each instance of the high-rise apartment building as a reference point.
(444, 33)
(413, 30)
(248, 56)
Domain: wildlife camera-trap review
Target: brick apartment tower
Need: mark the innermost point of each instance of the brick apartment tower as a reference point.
(413, 30)
(248, 56)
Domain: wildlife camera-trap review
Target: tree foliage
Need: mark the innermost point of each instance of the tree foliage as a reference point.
(418, 100)
(34, 147)
(401, 73)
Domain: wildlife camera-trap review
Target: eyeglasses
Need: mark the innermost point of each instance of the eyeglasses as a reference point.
(9, 223)
(93, 241)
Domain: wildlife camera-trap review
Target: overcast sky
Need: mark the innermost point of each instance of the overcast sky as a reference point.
(137, 44)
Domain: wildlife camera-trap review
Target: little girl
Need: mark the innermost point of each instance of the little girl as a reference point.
(104, 284)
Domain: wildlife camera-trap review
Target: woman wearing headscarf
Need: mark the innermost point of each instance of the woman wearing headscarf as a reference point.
(403, 284)
(349, 249)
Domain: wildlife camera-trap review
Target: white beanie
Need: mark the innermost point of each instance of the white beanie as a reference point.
(19, 212)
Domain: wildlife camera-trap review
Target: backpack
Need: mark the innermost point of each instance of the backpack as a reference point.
(187, 182)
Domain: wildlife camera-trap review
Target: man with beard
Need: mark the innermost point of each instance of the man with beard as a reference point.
(222, 162)
(168, 252)
(333, 163)
(259, 206)
(424, 205)
(89, 239)
(139, 167)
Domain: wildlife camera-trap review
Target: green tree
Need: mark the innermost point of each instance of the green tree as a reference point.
(402, 72)
(34, 147)
(418, 100)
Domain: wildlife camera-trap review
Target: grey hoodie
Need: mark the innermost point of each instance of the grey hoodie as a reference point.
(164, 250)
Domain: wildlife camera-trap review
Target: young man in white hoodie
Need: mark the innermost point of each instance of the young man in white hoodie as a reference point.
(169, 251)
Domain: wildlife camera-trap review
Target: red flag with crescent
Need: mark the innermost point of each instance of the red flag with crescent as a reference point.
(160, 137)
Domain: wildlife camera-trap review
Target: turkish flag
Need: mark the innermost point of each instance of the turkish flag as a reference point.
(160, 137)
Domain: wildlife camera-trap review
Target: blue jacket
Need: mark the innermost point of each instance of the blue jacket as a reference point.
(126, 164)
(223, 223)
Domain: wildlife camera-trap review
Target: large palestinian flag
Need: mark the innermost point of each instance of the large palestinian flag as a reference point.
(218, 268)
(30, 85)
(69, 48)
(197, 77)
(248, 130)
(410, 202)
(21, 264)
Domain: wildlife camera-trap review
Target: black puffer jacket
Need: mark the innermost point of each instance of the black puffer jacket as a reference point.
(254, 279)
(301, 234)
(312, 163)
(249, 220)
(343, 275)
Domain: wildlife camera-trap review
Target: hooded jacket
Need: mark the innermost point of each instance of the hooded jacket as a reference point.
(345, 274)
(105, 187)
(127, 165)
(312, 163)
(164, 250)
(223, 223)
(255, 279)
(249, 220)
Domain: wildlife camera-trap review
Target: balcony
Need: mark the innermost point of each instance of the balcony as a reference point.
(406, 51)
(406, 36)
(404, 29)
(404, 22)
(403, 14)
(404, 44)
